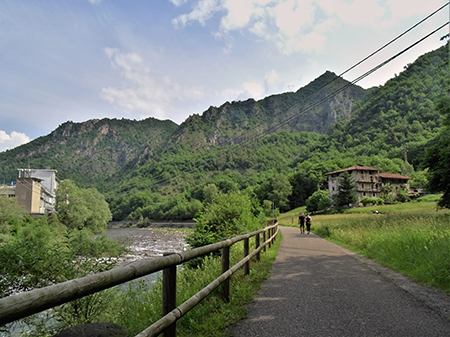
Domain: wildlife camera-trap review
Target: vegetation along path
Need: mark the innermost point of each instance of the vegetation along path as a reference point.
(317, 288)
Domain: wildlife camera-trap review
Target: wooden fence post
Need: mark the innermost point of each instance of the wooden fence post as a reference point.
(246, 252)
(264, 239)
(225, 267)
(258, 255)
(270, 236)
(169, 296)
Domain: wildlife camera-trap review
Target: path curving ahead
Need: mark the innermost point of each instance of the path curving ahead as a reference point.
(317, 288)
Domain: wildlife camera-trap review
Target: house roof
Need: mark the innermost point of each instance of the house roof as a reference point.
(393, 176)
(357, 167)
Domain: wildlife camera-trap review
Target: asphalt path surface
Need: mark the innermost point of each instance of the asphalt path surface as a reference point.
(317, 288)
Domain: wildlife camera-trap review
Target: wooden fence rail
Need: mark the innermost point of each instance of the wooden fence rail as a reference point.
(28, 303)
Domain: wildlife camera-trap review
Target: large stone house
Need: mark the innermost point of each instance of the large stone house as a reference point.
(368, 181)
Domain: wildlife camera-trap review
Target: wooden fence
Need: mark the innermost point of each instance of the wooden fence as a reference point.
(28, 303)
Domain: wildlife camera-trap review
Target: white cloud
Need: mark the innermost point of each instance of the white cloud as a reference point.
(289, 24)
(404, 9)
(253, 89)
(291, 16)
(256, 89)
(95, 2)
(366, 12)
(11, 141)
(178, 3)
(272, 78)
(203, 10)
(145, 91)
(241, 12)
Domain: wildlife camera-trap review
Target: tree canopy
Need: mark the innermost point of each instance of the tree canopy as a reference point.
(81, 208)
(437, 157)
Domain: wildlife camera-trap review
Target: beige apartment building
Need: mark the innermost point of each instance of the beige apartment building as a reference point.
(35, 189)
(368, 181)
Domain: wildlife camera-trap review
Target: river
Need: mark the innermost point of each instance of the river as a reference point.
(147, 243)
(144, 242)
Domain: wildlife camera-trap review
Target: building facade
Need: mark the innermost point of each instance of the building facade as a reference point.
(35, 189)
(8, 190)
(368, 181)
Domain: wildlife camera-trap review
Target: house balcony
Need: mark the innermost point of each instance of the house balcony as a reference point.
(368, 189)
(367, 179)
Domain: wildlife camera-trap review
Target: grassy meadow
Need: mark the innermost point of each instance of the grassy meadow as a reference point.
(411, 238)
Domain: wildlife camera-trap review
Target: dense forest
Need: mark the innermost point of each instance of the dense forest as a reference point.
(274, 150)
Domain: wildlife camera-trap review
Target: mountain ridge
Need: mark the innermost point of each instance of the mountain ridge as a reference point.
(106, 153)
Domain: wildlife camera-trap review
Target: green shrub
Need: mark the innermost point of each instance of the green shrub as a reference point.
(226, 217)
(374, 201)
(318, 201)
(429, 198)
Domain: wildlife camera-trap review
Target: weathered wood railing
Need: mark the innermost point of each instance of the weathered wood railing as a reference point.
(28, 303)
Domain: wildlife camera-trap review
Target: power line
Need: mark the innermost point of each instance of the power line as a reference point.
(315, 104)
(260, 134)
(204, 161)
(274, 128)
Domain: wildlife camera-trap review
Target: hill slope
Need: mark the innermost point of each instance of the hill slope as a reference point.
(89, 152)
(235, 122)
(278, 146)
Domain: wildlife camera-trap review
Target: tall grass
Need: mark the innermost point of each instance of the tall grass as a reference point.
(138, 308)
(412, 238)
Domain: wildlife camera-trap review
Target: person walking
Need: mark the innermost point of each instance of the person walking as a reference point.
(308, 223)
(301, 221)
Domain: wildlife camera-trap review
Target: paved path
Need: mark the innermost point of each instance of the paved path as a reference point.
(317, 288)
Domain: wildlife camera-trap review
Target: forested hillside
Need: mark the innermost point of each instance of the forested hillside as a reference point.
(387, 130)
(399, 114)
(275, 149)
(89, 152)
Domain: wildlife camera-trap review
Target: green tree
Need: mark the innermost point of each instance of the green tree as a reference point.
(79, 208)
(402, 194)
(280, 190)
(226, 217)
(269, 211)
(10, 212)
(302, 188)
(437, 157)
(346, 191)
(318, 201)
(210, 193)
(386, 193)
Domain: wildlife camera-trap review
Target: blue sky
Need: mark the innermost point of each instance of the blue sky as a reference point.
(75, 60)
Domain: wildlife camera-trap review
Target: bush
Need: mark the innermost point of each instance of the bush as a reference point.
(226, 217)
(374, 201)
(318, 201)
(429, 198)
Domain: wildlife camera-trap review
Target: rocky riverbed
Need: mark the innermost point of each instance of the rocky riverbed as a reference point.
(145, 242)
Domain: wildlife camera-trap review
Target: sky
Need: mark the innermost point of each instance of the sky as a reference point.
(76, 60)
